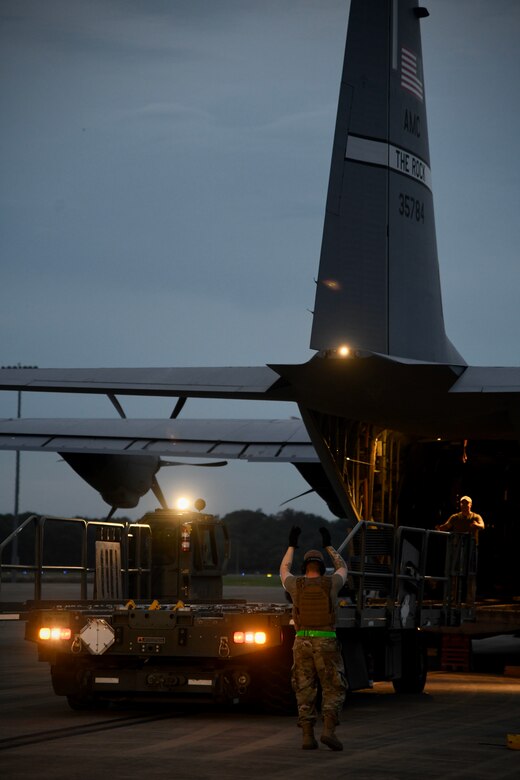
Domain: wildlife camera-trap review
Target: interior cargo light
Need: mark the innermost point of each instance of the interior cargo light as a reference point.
(55, 633)
(250, 637)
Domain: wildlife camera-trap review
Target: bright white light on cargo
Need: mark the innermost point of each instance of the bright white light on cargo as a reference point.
(183, 503)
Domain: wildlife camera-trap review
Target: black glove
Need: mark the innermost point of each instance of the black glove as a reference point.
(293, 536)
(325, 535)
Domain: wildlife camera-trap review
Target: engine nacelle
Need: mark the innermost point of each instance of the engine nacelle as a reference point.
(121, 480)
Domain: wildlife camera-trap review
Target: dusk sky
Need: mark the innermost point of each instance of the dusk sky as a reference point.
(164, 166)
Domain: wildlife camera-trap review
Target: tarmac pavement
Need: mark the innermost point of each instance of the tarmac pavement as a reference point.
(456, 729)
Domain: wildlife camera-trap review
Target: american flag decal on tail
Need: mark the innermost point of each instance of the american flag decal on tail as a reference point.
(409, 77)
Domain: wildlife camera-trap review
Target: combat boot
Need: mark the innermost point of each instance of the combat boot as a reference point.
(328, 737)
(308, 743)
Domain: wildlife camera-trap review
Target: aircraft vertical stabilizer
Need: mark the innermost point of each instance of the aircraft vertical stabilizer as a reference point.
(378, 285)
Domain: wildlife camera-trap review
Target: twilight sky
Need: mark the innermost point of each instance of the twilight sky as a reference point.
(164, 166)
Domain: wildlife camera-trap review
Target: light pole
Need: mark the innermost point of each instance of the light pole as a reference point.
(14, 548)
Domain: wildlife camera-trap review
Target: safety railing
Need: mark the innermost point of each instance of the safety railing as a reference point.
(134, 540)
(369, 550)
(389, 565)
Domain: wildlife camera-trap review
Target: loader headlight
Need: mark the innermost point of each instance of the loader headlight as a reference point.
(54, 633)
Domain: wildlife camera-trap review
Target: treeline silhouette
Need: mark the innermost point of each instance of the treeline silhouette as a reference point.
(258, 540)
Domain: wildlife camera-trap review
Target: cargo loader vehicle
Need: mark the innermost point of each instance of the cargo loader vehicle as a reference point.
(151, 621)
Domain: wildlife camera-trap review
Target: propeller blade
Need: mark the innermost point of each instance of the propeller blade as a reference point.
(305, 493)
(159, 495)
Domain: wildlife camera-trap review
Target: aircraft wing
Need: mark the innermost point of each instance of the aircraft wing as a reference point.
(284, 441)
(217, 382)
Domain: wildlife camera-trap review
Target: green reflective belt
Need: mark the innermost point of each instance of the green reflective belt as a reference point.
(312, 633)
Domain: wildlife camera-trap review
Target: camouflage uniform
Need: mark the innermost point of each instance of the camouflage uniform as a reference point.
(318, 658)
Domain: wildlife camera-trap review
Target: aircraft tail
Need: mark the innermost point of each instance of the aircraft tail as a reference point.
(378, 286)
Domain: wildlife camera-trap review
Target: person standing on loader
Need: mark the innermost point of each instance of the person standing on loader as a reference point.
(316, 653)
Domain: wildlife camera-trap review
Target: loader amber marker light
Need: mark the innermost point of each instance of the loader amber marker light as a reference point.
(250, 637)
(54, 633)
(183, 503)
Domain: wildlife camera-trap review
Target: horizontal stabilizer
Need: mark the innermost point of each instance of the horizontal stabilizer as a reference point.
(488, 379)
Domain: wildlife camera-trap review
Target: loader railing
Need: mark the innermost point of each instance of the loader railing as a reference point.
(406, 565)
(90, 539)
